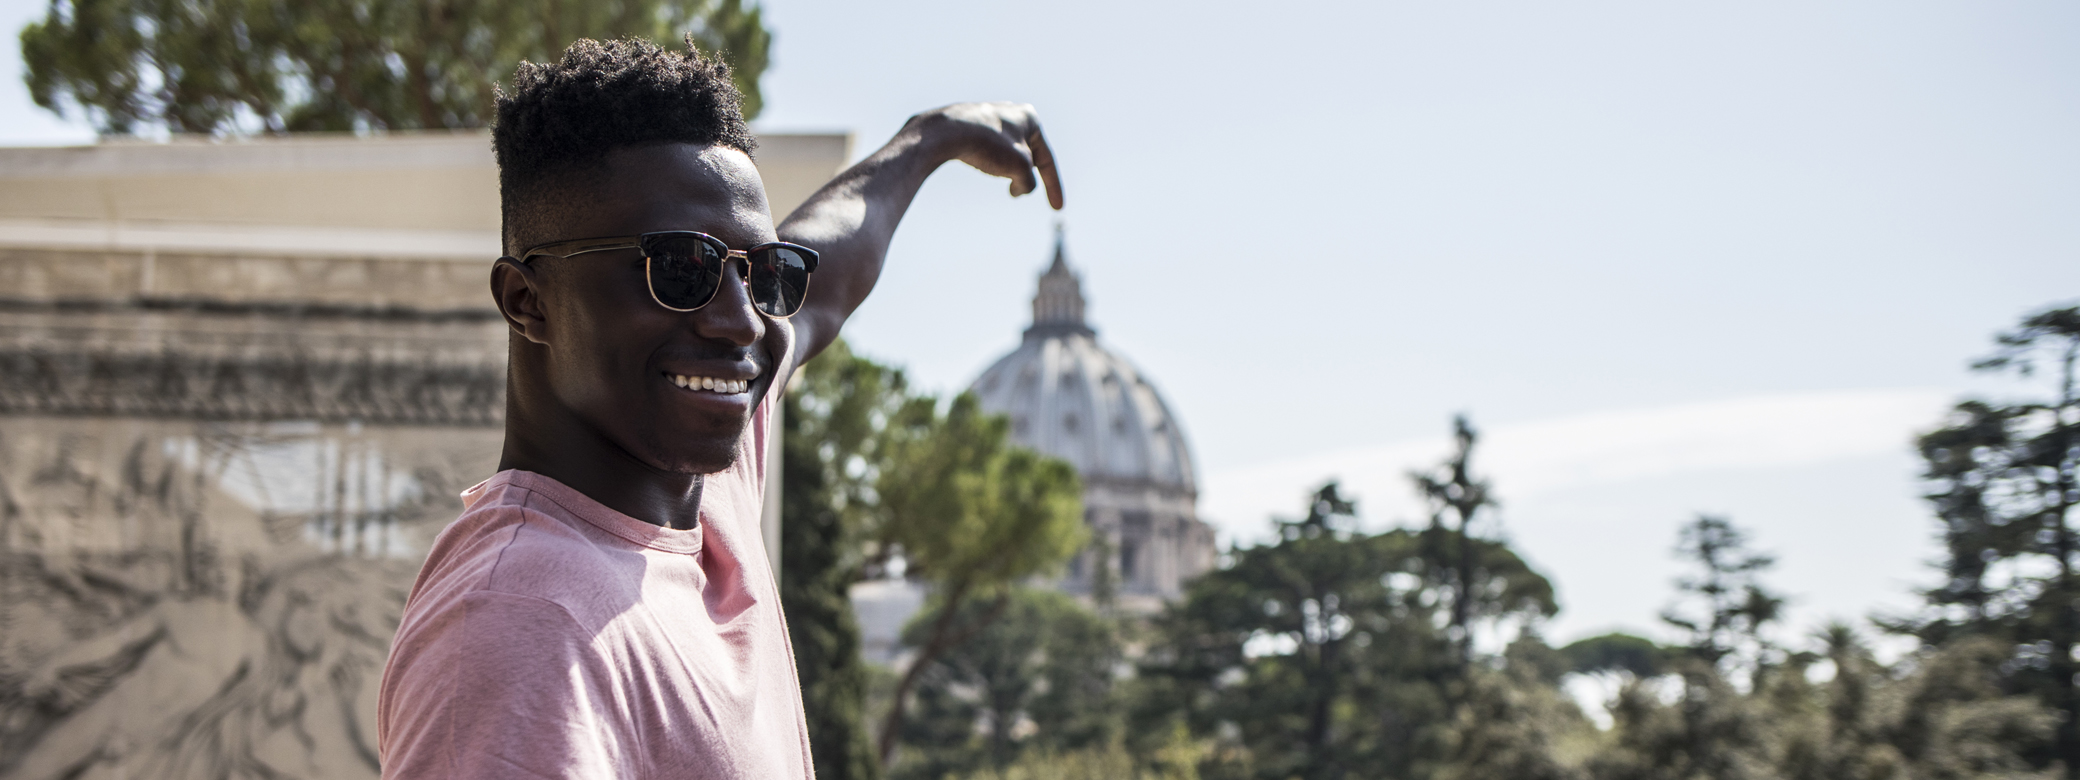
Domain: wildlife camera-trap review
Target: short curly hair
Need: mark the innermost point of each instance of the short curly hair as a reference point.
(561, 120)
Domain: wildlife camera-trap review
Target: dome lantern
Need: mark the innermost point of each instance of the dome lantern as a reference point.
(1058, 305)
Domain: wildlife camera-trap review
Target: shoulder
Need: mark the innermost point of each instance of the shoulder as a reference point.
(500, 682)
(517, 542)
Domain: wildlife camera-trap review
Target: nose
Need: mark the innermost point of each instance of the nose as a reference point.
(729, 317)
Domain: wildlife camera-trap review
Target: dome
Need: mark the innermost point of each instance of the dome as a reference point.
(1069, 397)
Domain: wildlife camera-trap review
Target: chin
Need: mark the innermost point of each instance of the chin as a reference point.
(706, 457)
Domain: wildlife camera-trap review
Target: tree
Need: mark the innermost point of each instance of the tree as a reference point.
(1456, 499)
(1040, 676)
(1710, 732)
(1515, 723)
(1077, 704)
(971, 514)
(833, 450)
(1616, 652)
(1949, 717)
(1272, 645)
(1177, 760)
(2003, 486)
(1939, 714)
(274, 66)
(1323, 654)
(1731, 605)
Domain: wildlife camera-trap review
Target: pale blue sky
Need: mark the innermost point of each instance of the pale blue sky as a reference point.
(1326, 229)
(1623, 233)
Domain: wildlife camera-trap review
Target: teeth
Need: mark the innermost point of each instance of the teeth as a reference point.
(709, 383)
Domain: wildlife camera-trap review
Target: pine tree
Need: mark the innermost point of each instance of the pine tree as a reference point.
(1731, 604)
(2003, 485)
(1324, 654)
(1457, 498)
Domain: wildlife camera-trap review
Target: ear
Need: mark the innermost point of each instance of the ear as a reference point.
(517, 289)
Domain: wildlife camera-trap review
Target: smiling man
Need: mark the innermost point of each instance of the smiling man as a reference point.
(603, 608)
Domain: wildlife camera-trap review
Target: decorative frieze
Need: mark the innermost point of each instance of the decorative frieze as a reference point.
(252, 362)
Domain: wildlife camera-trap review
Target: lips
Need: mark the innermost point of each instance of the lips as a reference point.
(708, 384)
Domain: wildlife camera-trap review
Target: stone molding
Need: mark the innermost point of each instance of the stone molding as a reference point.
(252, 362)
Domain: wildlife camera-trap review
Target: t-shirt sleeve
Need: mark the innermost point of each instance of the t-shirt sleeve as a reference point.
(500, 686)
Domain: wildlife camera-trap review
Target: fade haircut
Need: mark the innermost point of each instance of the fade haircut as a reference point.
(555, 128)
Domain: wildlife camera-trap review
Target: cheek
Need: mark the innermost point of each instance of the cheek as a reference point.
(779, 343)
(601, 348)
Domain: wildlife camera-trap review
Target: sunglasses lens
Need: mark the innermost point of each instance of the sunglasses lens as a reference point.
(779, 279)
(684, 270)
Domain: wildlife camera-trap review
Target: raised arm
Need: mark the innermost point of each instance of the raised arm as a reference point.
(850, 221)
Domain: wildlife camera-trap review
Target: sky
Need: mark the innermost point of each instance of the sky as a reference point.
(1669, 258)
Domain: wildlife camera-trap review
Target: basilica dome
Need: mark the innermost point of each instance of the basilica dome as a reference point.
(1070, 397)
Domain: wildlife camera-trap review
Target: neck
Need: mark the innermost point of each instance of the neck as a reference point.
(568, 451)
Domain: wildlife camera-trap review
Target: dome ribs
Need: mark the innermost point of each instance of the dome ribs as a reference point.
(1071, 397)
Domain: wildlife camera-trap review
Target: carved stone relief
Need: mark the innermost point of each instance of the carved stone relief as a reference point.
(210, 516)
(209, 600)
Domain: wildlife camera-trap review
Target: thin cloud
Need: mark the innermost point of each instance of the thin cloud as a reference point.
(1603, 448)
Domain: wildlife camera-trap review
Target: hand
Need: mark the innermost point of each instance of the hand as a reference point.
(853, 217)
(1000, 139)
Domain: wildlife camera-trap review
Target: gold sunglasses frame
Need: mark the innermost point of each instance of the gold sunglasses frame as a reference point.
(583, 246)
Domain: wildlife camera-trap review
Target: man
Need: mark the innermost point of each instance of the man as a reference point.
(604, 608)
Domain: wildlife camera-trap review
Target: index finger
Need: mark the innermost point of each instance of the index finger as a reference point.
(1043, 159)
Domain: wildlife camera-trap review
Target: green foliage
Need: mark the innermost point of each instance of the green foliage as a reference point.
(241, 66)
(1177, 760)
(831, 451)
(973, 515)
(1457, 499)
(1037, 675)
(2004, 478)
(1617, 652)
(871, 472)
(1325, 654)
(1515, 723)
(1330, 654)
(1079, 702)
(1940, 714)
(970, 511)
(1731, 607)
(1710, 731)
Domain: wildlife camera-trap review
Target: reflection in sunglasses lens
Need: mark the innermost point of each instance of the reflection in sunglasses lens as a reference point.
(684, 271)
(779, 277)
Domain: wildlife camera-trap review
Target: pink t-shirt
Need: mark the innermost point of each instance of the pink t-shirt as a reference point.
(550, 636)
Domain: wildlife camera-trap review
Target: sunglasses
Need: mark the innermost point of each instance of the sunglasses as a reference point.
(684, 268)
